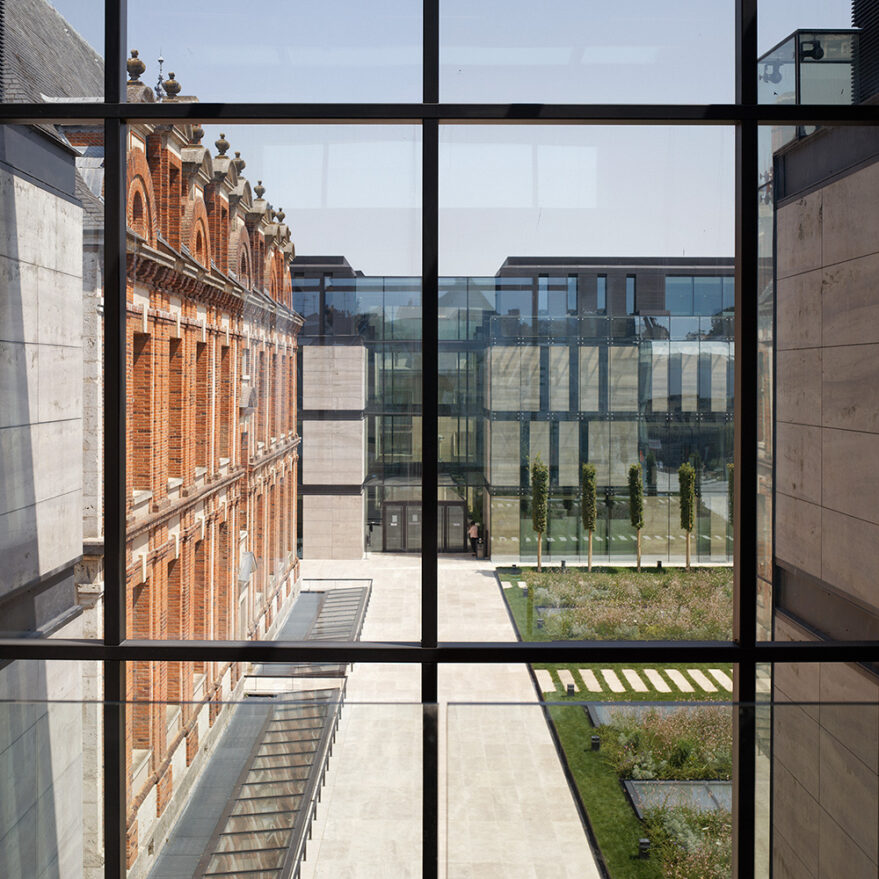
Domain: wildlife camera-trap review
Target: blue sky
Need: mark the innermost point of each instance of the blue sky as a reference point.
(503, 190)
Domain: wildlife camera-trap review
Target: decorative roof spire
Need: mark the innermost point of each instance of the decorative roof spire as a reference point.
(259, 189)
(222, 145)
(239, 163)
(197, 133)
(280, 215)
(160, 92)
(135, 67)
(171, 86)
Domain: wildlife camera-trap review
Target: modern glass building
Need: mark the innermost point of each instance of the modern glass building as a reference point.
(612, 362)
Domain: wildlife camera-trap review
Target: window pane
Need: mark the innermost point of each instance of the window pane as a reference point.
(238, 786)
(581, 53)
(268, 392)
(51, 767)
(338, 51)
(570, 389)
(51, 259)
(653, 779)
(72, 70)
(817, 423)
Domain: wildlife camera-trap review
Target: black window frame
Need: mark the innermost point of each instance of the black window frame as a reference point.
(745, 116)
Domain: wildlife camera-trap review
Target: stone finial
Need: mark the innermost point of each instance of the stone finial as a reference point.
(135, 67)
(222, 145)
(171, 86)
(259, 189)
(239, 163)
(280, 215)
(197, 133)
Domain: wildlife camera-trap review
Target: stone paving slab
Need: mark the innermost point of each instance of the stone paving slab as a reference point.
(566, 678)
(615, 684)
(635, 681)
(658, 681)
(701, 680)
(679, 680)
(591, 682)
(544, 680)
(722, 678)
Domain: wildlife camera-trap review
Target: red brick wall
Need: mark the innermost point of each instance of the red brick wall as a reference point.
(184, 374)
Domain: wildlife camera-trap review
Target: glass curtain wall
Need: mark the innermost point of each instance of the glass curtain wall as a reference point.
(248, 448)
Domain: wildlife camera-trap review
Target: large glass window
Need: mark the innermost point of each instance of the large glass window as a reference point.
(522, 428)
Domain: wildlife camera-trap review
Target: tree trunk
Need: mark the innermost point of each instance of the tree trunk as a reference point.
(639, 550)
(590, 552)
(539, 551)
(688, 550)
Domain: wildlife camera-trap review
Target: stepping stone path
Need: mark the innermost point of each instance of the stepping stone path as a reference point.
(590, 680)
(615, 684)
(609, 681)
(679, 680)
(701, 680)
(722, 678)
(657, 680)
(634, 680)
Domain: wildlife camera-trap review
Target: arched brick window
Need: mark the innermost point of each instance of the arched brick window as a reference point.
(138, 216)
(199, 254)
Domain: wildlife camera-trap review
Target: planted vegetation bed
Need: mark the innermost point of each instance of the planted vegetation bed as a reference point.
(620, 604)
(685, 744)
(691, 743)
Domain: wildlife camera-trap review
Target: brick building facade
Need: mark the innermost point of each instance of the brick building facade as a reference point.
(212, 444)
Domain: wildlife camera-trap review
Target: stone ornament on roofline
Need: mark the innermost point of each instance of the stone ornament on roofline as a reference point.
(136, 67)
(171, 86)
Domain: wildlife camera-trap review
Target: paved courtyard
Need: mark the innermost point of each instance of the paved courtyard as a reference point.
(505, 806)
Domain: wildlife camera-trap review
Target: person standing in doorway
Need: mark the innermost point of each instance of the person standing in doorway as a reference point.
(473, 534)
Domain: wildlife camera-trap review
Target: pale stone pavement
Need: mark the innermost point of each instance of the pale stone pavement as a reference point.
(505, 806)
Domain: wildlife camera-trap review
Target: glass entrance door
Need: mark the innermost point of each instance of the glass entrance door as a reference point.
(394, 528)
(453, 530)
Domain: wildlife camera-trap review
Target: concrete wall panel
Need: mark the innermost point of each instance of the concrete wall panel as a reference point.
(848, 216)
(569, 453)
(623, 378)
(332, 526)
(850, 476)
(849, 305)
(529, 378)
(334, 377)
(505, 452)
(798, 461)
(850, 390)
(849, 558)
(589, 376)
(334, 452)
(798, 533)
(798, 386)
(798, 311)
(799, 227)
(559, 378)
(659, 387)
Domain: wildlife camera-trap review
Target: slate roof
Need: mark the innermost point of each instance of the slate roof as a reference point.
(41, 55)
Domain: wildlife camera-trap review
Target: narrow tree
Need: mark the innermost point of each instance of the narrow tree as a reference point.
(539, 488)
(588, 502)
(687, 481)
(636, 504)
